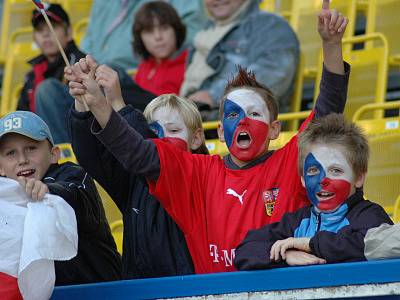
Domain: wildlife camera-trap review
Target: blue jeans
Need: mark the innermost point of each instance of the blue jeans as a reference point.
(52, 104)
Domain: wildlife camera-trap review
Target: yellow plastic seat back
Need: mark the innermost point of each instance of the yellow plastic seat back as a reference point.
(382, 184)
(112, 212)
(67, 154)
(281, 7)
(76, 9)
(117, 231)
(368, 77)
(21, 50)
(396, 212)
(383, 17)
(304, 23)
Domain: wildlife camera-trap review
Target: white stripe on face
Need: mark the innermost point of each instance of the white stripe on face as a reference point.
(252, 104)
(334, 162)
(171, 122)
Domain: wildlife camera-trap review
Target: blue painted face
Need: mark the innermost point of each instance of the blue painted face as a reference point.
(157, 129)
(313, 182)
(233, 114)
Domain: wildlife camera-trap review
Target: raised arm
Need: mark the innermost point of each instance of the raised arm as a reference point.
(335, 74)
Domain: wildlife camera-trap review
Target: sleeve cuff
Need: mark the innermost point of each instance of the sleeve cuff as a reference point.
(107, 134)
(81, 115)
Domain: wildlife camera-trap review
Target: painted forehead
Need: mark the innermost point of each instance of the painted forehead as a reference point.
(247, 99)
(165, 115)
(328, 155)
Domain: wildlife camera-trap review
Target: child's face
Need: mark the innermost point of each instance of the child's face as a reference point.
(23, 156)
(328, 177)
(44, 39)
(168, 123)
(245, 124)
(160, 40)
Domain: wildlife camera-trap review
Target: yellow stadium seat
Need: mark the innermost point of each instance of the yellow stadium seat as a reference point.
(117, 231)
(382, 184)
(112, 212)
(76, 9)
(80, 29)
(67, 154)
(387, 125)
(383, 17)
(21, 50)
(304, 22)
(16, 14)
(281, 7)
(368, 77)
(396, 212)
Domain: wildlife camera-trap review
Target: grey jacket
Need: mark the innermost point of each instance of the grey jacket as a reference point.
(265, 44)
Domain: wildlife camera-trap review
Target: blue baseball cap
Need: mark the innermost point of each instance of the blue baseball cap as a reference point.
(26, 123)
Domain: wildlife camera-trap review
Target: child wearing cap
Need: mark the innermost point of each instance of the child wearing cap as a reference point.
(333, 162)
(44, 91)
(28, 155)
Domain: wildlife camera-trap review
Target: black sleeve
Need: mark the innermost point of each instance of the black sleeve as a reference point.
(253, 252)
(348, 243)
(79, 191)
(23, 101)
(137, 155)
(333, 92)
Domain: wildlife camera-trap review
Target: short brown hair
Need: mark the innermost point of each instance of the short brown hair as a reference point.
(245, 79)
(144, 20)
(335, 130)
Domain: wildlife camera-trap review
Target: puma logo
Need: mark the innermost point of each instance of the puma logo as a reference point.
(234, 194)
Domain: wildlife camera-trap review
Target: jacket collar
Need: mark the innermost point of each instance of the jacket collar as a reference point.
(71, 47)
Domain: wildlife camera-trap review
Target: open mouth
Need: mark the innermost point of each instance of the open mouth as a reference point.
(325, 195)
(243, 139)
(26, 173)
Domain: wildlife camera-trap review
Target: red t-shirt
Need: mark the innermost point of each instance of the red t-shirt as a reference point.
(215, 207)
(163, 78)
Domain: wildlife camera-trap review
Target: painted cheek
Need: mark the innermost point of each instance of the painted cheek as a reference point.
(230, 125)
(313, 183)
(157, 129)
(258, 132)
(340, 187)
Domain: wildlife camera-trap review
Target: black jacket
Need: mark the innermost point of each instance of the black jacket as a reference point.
(54, 70)
(335, 237)
(153, 245)
(97, 259)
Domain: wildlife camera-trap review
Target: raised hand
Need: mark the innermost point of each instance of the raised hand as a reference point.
(108, 79)
(300, 258)
(35, 189)
(279, 248)
(331, 24)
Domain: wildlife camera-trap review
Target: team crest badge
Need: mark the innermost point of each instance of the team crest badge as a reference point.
(269, 198)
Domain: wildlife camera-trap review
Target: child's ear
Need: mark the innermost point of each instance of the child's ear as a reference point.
(197, 139)
(220, 130)
(55, 154)
(274, 130)
(302, 181)
(360, 180)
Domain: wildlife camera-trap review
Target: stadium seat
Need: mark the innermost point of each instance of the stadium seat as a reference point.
(382, 184)
(16, 14)
(112, 212)
(396, 212)
(304, 22)
(79, 30)
(383, 17)
(297, 96)
(369, 72)
(67, 154)
(76, 9)
(117, 231)
(21, 50)
(281, 7)
(386, 125)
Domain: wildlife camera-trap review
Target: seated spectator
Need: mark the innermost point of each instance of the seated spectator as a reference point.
(108, 37)
(44, 92)
(382, 242)
(239, 33)
(148, 229)
(158, 36)
(333, 162)
(28, 154)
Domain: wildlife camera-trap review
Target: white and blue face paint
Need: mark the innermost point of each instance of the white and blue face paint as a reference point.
(328, 177)
(245, 123)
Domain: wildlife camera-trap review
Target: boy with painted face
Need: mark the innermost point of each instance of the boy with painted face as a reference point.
(216, 201)
(148, 229)
(333, 160)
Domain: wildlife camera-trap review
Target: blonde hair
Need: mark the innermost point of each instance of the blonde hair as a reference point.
(335, 130)
(186, 108)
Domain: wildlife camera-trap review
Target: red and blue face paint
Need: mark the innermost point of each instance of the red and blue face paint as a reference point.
(328, 179)
(245, 135)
